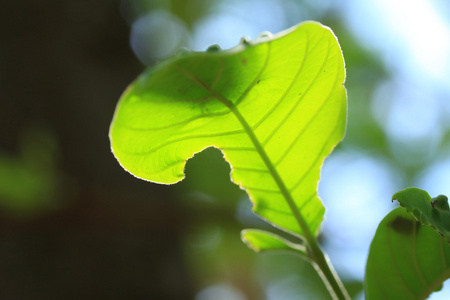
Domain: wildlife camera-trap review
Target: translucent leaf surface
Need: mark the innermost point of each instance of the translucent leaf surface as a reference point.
(433, 212)
(263, 241)
(406, 259)
(275, 106)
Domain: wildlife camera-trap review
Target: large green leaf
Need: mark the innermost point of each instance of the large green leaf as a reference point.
(433, 212)
(275, 106)
(406, 259)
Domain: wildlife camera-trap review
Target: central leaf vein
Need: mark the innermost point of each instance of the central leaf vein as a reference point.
(262, 153)
(391, 249)
(415, 258)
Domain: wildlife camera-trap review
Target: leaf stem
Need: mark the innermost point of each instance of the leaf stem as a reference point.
(320, 261)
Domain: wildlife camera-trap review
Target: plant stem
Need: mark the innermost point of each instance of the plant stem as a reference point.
(329, 276)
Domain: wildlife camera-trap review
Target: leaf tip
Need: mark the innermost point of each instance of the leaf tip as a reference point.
(244, 238)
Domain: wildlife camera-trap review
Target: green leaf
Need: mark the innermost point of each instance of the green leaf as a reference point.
(353, 287)
(406, 259)
(429, 211)
(263, 241)
(275, 106)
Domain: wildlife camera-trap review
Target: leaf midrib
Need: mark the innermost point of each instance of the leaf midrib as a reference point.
(390, 247)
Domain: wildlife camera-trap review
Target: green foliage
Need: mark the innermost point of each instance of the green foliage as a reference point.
(406, 260)
(429, 211)
(275, 106)
(263, 241)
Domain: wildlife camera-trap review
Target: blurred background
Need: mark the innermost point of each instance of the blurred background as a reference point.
(74, 225)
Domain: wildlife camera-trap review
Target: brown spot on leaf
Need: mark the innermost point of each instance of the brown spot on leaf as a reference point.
(404, 226)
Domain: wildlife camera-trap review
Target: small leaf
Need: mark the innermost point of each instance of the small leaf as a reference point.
(263, 241)
(429, 211)
(406, 259)
(275, 106)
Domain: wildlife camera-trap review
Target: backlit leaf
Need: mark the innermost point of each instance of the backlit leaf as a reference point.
(275, 106)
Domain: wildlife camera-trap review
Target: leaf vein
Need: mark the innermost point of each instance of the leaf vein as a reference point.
(238, 149)
(283, 96)
(275, 130)
(251, 170)
(255, 80)
(168, 166)
(257, 189)
(396, 267)
(305, 128)
(219, 73)
(187, 121)
(300, 180)
(416, 262)
(177, 100)
(184, 138)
